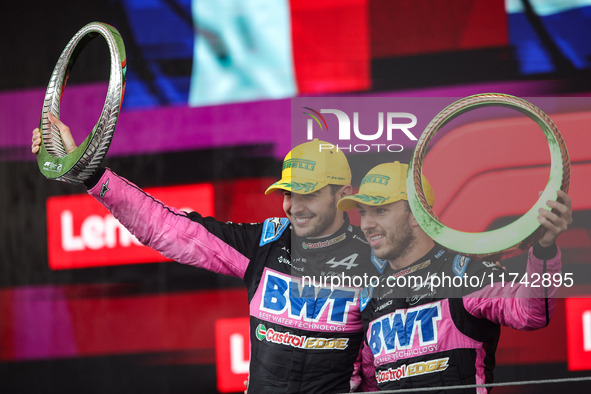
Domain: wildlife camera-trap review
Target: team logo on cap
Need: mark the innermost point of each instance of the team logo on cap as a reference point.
(375, 178)
(299, 163)
(371, 199)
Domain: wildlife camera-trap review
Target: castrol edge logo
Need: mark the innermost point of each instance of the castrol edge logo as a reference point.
(299, 341)
(81, 233)
(409, 370)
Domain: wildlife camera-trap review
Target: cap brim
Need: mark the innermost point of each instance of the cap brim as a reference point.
(273, 187)
(299, 186)
(346, 203)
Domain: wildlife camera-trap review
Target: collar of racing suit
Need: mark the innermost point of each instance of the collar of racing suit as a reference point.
(434, 253)
(305, 244)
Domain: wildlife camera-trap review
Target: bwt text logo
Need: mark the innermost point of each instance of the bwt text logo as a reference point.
(284, 294)
(393, 123)
(398, 330)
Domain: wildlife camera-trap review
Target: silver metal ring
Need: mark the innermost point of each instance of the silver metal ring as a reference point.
(515, 237)
(53, 160)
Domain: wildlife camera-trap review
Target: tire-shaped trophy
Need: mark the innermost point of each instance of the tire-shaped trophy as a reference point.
(77, 166)
(515, 237)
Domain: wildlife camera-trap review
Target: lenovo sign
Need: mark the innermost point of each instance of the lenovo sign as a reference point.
(232, 353)
(578, 330)
(81, 233)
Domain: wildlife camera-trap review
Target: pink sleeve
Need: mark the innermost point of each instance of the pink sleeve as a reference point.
(166, 229)
(356, 376)
(368, 370)
(521, 306)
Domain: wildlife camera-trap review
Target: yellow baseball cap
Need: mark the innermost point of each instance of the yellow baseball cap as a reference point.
(311, 166)
(383, 184)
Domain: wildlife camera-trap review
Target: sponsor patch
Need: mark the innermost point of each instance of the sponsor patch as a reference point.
(272, 230)
(299, 341)
(105, 188)
(412, 269)
(383, 306)
(489, 264)
(323, 244)
(378, 263)
(348, 262)
(414, 369)
(365, 297)
(291, 301)
(49, 166)
(404, 329)
(460, 264)
(299, 163)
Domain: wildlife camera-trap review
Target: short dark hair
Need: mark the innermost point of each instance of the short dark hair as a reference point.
(407, 205)
(334, 189)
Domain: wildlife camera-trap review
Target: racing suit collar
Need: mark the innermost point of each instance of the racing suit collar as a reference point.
(432, 255)
(326, 241)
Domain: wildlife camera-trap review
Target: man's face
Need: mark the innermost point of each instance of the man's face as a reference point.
(387, 229)
(314, 214)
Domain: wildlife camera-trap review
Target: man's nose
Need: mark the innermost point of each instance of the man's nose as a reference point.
(367, 222)
(296, 203)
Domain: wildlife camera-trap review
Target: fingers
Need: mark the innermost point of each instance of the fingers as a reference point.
(565, 199)
(557, 220)
(67, 138)
(561, 208)
(63, 129)
(55, 121)
(552, 221)
(36, 141)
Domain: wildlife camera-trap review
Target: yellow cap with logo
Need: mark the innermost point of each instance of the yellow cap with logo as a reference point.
(311, 166)
(383, 184)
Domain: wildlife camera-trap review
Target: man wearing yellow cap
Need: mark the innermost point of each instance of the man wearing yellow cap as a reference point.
(422, 330)
(303, 337)
(309, 203)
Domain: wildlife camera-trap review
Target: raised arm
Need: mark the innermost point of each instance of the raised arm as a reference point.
(526, 305)
(194, 240)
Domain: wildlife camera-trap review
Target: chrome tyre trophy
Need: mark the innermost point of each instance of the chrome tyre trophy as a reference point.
(77, 166)
(515, 237)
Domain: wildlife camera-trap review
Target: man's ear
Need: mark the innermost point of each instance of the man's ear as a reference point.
(345, 191)
(412, 221)
(411, 218)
